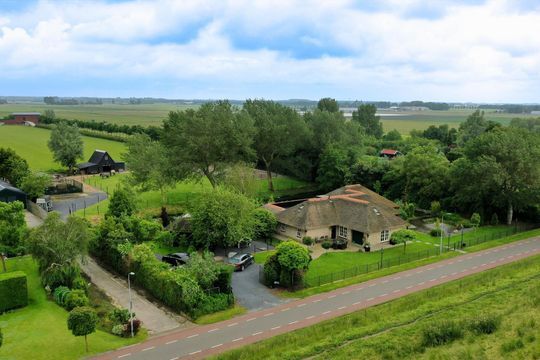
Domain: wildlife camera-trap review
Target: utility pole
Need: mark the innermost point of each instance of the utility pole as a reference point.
(130, 303)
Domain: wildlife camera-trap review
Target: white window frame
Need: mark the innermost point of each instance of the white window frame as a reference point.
(385, 235)
(343, 232)
(299, 233)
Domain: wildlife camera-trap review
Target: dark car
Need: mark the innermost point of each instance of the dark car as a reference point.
(176, 259)
(241, 261)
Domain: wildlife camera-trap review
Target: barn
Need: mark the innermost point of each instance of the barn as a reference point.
(22, 118)
(100, 162)
(10, 193)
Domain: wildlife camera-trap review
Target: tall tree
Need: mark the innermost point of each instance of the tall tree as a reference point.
(13, 168)
(278, 132)
(204, 142)
(365, 116)
(328, 104)
(66, 144)
(148, 165)
(35, 184)
(123, 202)
(12, 228)
(505, 166)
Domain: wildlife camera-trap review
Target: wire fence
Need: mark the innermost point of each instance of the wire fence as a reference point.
(449, 244)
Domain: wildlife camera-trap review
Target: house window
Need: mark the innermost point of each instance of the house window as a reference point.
(298, 233)
(282, 228)
(385, 235)
(342, 231)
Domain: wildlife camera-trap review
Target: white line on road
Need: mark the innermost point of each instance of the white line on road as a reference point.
(409, 287)
(316, 301)
(300, 305)
(269, 314)
(250, 319)
(240, 338)
(396, 291)
(121, 356)
(356, 303)
(148, 348)
(216, 329)
(422, 283)
(433, 279)
(275, 327)
(310, 317)
(216, 346)
(233, 324)
(285, 309)
(341, 308)
(171, 342)
(195, 352)
(326, 312)
(175, 358)
(385, 281)
(383, 295)
(370, 299)
(293, 322)
(192, 336)
(345, 292)
(332, 296)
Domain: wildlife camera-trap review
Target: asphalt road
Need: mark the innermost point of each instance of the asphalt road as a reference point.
(203, 341)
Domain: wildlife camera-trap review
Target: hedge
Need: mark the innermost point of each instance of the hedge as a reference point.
(13, 291)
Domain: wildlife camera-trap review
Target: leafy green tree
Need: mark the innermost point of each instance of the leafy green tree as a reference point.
(204, 142)
(533, 125)
(222, 218)
(265, 224)
(328, 104)
(442, 133)
(148, 165)
(402, 237)
(436, 208)
(369, 170)
(505, 166)
(82, 321)
(392, 135)
(49, 115)
(203, 268)
(123, 202)
(278, 132)
(12, 228)
(35, 184)
(292, 255)
(365, 116)
(66, 144)
(474, 126)
(334, 167)
(57, 243)
(13, 168)
(475, 220)
(242, 178)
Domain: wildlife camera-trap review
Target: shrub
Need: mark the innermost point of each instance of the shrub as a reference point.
(435, 208)
(80, 284)
(56, 276)
(119, 316)
(512, 345)
(13, 290)
(165, 238)
(435, 232)
(75, 298)
(306, 240)
(441, 333)
(484, 324)
(118, 329)
(60, 294)
(326, 245)
(476, 219)
(265, 223)
(272, 270)
(402, 236)
(466, 224)
(213, 303)
(136, 327)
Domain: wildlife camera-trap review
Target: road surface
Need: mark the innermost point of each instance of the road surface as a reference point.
(202, 341)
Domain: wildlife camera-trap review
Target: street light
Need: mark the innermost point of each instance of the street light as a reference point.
(130, 303)
(442, 229)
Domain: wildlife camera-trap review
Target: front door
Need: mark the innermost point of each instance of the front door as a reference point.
(358, 237)
(333, 232)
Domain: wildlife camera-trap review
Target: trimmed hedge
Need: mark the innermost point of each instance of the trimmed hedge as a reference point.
(13, 290)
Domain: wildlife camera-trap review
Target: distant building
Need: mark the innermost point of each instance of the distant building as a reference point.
(100, 162)
(22, 118)
(10, 193)
(389, 153)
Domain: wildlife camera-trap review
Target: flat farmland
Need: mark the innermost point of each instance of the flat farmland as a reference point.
(31, 144)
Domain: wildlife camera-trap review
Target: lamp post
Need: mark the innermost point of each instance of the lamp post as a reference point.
(442, 229)
(130, 303)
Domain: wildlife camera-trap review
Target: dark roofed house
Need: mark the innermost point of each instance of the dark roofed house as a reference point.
(22, 118)
(352, 213)
(100, 162)
(10, 193)
(389, 153)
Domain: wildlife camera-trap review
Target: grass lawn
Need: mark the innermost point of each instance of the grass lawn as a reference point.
(481, 233)
(31, 144)
(39, 330)
(393, 330)
(179, 198)
(221, 315)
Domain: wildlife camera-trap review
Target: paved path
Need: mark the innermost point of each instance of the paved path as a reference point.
(69, 203)
(250, 293)
(202, 341)
(154, 319)
(31, 220)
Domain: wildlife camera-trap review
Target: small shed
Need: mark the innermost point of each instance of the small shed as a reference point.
(10, 193)
(389, 153)
(100, 162)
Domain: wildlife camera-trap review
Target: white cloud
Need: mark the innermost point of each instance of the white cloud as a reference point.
(488, 52)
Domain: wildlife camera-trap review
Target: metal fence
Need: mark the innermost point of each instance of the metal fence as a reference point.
(449, 244)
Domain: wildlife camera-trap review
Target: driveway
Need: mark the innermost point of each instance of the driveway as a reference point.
(68, 203)
(31, 220)
(153, 317)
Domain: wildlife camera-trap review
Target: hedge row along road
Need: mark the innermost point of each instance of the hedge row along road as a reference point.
(203, 341)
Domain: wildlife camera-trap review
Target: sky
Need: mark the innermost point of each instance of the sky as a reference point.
(437, 50)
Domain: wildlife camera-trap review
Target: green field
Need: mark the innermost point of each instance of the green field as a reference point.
(39, 330)
(180, 198)
(393, 330)
(31, 144)
(154, 114)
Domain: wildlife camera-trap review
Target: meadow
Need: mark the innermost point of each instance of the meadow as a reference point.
(153, 114)
(395, 330)
(31, 144)
(39, 330)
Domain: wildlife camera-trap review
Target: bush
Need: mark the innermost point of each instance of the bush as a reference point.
(165, 238)
(118, 329)
(306, 240)
(402, 236)
(484, 324)
(75, 298)
(271, 270)
(466, 224)
(435, 232)
(60, 294)
(64, 275)
(441, 333)
(80, 284)
(512, 345)
(119, 316)
(265, 223)
(13, 290)
(213, 303)
(326, 245)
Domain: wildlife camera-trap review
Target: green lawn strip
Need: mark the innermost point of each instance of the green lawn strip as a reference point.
(221, 315)
(163, 249)
(260, 257)
(393, 330)
(39, 331)
(394, 269)
(483, 233)
(31, 144)
(180, 198)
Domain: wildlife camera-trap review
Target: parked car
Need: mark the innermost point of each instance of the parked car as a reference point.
(176, 259)
(241, 261)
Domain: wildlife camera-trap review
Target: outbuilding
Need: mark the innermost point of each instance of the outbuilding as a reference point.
(9, 193)
(100, 162)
